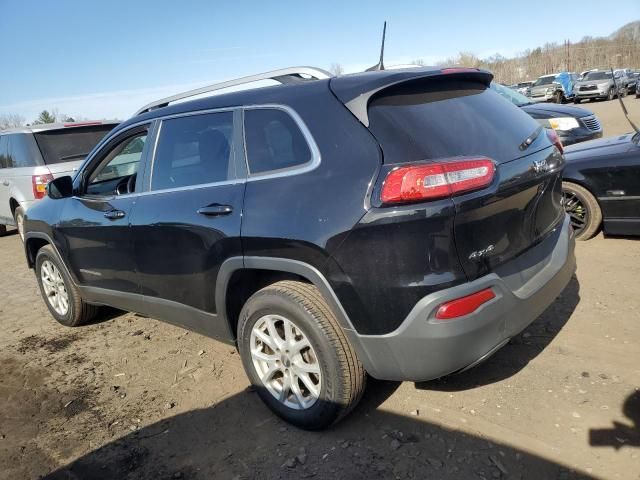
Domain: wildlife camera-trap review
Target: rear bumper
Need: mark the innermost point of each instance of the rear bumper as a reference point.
(424, 348)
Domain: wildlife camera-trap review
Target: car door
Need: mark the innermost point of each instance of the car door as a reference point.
(94, 225)
(188, 222)
(618, 184)
(5, 208)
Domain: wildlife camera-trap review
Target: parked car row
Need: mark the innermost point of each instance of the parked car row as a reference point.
(595, 84)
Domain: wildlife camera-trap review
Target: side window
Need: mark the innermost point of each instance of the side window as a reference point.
(117, 172)
(3, 150)
(22, 151)
(273, 141)
(194, 150)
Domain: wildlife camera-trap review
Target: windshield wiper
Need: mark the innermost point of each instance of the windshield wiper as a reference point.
(531, 138)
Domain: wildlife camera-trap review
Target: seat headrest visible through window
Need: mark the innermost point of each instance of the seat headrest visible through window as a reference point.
(214, 152)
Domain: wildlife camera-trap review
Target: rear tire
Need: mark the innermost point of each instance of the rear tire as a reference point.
(3, 230)
(577, 100)
(55, 285)
(558, 98)
(583, 208)
(18, 216)
(273, 324)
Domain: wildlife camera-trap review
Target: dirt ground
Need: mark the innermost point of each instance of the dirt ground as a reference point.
(131, 398)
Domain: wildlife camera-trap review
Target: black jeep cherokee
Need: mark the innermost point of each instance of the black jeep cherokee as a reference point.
(401, 224)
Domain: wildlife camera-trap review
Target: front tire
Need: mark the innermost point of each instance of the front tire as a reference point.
(297, 356)
(58, 291)
(577, 100)
(612, 94)
(3, 230)
(583, 209)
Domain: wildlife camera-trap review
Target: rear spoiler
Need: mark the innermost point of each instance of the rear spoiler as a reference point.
(355, 91)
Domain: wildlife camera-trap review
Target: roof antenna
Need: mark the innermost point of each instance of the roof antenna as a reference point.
(380, 64)
(624, 109)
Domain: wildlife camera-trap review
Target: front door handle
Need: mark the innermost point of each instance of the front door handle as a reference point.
(114, 214)
(215, 210)
(5, 183)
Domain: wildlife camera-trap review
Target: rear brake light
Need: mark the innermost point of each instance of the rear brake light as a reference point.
(555, 139)
(39, 183)
(81, 124)
(458, 70)
(465, 305)
(436, 180)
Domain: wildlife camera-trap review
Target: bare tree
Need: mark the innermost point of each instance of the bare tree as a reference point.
(11, 120)
(336, 69)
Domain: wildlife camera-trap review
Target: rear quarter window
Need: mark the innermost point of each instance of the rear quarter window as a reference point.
(433, 119)
(22, 152)
(273, 141)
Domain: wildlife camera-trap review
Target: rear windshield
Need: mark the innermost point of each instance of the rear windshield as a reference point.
(69, 144)
(447, 118)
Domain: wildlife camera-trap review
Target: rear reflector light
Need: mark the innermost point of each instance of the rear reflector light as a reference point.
(555, 139)
(39, 183)
(465, 305)
(436, 180)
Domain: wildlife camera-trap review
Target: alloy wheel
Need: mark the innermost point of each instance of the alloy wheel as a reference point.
(576, 209)
(285, 362)
(54, 287)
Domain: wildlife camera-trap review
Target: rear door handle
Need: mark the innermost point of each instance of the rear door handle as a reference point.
(215, 210)
(114, 214)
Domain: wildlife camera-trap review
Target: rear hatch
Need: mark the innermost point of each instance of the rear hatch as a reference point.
(443, 116)
(64, 149)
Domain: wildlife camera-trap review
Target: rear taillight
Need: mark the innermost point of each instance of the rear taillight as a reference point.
(39, 183)
(555, 139)
(465, 305)
(428, 181)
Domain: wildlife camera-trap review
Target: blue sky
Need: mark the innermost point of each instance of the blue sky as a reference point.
(105, 59)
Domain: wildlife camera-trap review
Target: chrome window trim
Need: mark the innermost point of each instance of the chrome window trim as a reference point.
(312, 164)
(152, 162)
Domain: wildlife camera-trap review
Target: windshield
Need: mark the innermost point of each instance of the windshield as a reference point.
(544, 80)
(513, 96)
(597, 76)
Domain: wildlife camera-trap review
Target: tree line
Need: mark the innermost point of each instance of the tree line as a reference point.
(13, 120)
(620, 50)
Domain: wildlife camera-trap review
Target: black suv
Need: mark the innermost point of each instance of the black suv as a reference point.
(403, 224)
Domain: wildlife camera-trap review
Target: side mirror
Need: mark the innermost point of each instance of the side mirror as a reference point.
(60, 188)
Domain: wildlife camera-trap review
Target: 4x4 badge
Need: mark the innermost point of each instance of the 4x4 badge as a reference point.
(540, 166)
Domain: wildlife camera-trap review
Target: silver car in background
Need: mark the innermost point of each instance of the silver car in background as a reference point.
(30, 157)
(598, 84)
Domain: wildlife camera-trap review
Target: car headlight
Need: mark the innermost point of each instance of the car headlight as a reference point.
(563, 123)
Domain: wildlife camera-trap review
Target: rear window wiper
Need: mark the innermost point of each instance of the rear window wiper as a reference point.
(76, 155)
(531, 138)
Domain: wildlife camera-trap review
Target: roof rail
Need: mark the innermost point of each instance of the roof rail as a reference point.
(284, 75)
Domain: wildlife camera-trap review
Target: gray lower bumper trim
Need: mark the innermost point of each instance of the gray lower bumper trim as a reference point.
(424, 348)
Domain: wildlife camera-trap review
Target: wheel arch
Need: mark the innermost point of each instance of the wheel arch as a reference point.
(271, 269)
